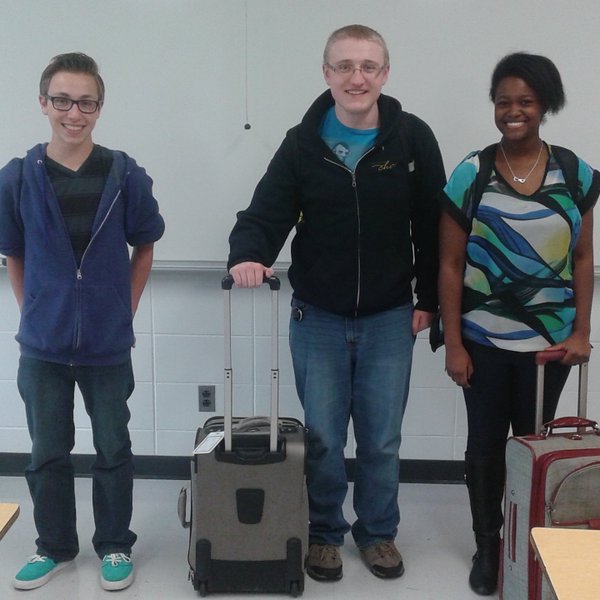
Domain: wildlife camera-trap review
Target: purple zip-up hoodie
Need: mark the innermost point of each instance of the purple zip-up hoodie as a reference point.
(76, 315)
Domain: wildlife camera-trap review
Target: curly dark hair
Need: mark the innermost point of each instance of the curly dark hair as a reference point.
(538, 72)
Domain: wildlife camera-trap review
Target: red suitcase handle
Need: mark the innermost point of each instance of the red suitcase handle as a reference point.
(546, 356)
(564, 422)
(541, 359)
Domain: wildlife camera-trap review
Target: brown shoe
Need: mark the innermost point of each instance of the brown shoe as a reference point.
(323, 562)
(383, 560)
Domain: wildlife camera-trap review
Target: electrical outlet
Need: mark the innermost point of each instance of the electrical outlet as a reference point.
(206, 398)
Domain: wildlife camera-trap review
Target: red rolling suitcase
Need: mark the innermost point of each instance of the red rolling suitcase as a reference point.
(552, 480)
(249, 507)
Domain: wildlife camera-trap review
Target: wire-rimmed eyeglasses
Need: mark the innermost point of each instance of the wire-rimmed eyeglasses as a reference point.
(367, 68)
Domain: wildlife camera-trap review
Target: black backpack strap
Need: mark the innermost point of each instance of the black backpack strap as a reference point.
(406, 136)
(293, 135)
(567, 160)
(407, 140)
(486, 157)
(569, 165)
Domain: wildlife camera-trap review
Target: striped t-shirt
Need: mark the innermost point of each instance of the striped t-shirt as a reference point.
(79, 194)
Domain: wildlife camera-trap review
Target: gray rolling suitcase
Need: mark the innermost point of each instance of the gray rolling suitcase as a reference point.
(249, 508)
(552, 480)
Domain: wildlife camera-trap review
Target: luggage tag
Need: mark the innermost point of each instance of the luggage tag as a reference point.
(209, 443)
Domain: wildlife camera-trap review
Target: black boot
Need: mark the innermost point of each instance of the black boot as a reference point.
(485, 481)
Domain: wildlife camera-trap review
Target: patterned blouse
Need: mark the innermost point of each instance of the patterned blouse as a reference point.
(518, 288)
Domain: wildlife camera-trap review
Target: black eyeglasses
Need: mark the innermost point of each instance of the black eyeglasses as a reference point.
(86, 106)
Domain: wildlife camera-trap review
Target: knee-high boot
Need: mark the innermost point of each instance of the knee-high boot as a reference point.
(485, 476)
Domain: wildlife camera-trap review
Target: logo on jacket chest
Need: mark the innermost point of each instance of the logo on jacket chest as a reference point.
(386, 165)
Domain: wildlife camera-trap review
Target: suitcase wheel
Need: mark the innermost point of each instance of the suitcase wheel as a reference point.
(295, 589)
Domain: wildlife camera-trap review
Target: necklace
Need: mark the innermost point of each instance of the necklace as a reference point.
(522, 179)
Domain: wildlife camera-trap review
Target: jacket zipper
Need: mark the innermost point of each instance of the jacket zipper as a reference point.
(79, 273)
(359, 231)
(45, 192)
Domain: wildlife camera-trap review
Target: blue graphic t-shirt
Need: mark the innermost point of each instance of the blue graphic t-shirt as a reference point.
(518, 280)
(347, 144)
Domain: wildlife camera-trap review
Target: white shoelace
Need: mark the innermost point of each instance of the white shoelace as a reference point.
(117, 558)
(36, 558)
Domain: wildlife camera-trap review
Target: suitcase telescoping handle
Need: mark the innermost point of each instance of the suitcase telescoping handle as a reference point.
(273, 281)
(226, 286)
(546, 356)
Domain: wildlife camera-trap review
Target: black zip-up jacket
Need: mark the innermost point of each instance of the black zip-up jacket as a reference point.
(362, 237)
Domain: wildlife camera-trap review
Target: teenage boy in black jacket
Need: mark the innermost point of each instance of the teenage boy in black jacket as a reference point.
(366, 227)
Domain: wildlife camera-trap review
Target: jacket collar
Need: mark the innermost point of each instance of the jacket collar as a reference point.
(121, 165)
(390, 114)
(118, 172)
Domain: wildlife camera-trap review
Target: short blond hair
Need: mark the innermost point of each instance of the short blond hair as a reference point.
(357, 32)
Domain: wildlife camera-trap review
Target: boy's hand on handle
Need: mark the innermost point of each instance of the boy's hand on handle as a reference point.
(250, 274)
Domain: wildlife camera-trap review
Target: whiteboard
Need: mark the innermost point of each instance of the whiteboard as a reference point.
(183, 77)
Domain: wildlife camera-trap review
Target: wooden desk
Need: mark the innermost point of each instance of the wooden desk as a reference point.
(8, 515)
(570, 560)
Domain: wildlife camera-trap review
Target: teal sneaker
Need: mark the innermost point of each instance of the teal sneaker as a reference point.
(117, 572)
(37, 572)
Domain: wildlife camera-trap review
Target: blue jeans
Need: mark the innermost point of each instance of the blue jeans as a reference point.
(360, 368)
(48, 392)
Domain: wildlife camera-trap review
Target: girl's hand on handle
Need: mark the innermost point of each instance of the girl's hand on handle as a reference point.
(576, 349)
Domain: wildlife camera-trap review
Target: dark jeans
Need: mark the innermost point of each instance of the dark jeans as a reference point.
(502, 395)
(48, 392)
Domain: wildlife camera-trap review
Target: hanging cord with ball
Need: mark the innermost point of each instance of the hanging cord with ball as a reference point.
(247, 124)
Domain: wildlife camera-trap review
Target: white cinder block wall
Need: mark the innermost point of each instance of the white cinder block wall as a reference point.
(180, 346)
